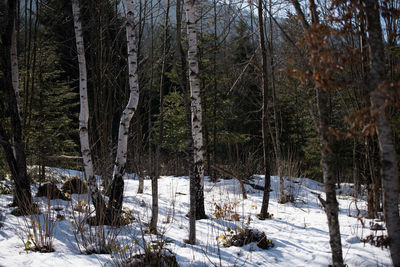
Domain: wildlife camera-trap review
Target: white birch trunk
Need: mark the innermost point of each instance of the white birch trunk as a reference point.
(198, 173)
(127, 114)
(84, 112)
(195, 89)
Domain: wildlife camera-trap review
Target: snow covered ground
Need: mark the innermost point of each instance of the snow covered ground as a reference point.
(298, 230)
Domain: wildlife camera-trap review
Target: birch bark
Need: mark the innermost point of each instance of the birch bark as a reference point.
(95, 194)
(197, 179)
(117, 187)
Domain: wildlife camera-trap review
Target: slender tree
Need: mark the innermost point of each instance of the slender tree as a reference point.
(95, 193)
(275, 138)
(197, 178)
(14, 63)
(117, 186)
(154, 181)
(379, 89)
(149, 114)
(15, 151)
(327, 156)
(265, 89)
(183, 82)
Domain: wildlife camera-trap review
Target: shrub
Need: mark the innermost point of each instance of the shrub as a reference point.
(81, 206)
(5, 188)
(126, 217)
(136, 253)
(38, 231)
(226, 212)
(75, 185)
(377, 240)
(91, 236)
(51, 191)
(241, 237)
(162, 257)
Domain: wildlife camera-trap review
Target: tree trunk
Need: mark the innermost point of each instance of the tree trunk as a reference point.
(117, 186)
(264, 87)
(323, 94)
(196, 110)
(215, 100)
(331, 206)
(278, 151)
(154, 180)
(327, 163)
(370, 177)
(149, 114)
(95, 194)
(15, 152)
(378, 91)
(14, 64)
(197, 178)
(184, 85)
(356, 170)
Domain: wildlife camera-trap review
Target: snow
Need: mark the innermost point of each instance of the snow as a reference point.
(299, 230)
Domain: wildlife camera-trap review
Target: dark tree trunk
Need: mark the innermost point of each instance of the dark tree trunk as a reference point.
(327, 160)
(138, 158)
(154, 180)
(149, 114)
(115, 201)
(15, 152)
(356, 170)
(327, 163)
(369, 174)
(215, 100)
(278, 151)
(378, 91)
(264, 88)
(331, 205)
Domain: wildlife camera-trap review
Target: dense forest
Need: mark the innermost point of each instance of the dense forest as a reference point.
(217, 88)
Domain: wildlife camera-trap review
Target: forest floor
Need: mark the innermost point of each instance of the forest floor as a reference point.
(297, 229)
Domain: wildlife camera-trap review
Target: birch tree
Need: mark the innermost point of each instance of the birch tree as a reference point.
(95, 194)
(117, 186)
(197, 179)
(183, 82)
(378, 94)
